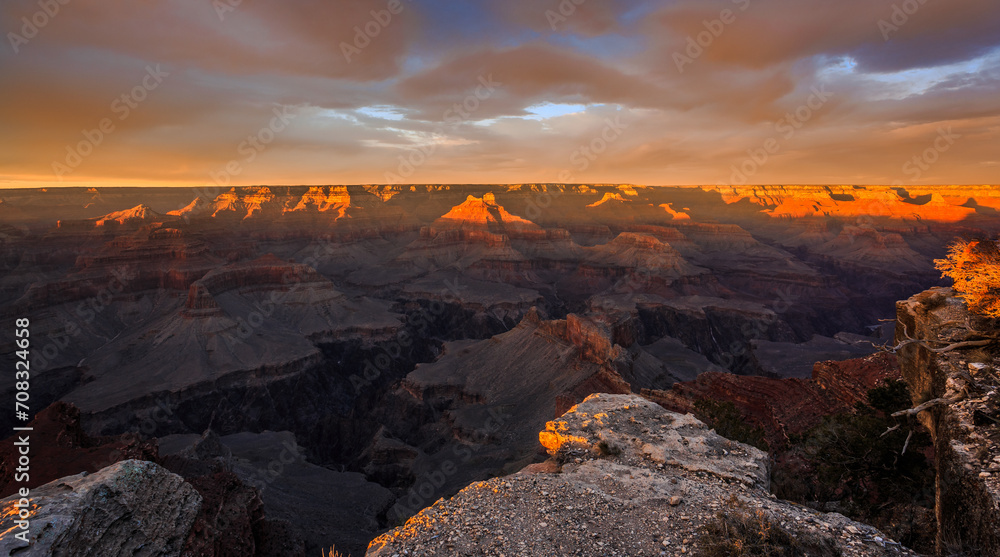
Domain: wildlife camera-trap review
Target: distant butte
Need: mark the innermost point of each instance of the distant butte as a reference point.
(483, 213)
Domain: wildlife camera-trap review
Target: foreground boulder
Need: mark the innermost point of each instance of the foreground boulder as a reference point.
(627, 477)
(133, 508)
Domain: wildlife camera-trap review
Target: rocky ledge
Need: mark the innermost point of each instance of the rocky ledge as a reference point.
(952, 363)
(627, 477)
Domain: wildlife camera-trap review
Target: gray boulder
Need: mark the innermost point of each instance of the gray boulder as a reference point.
(134, 508)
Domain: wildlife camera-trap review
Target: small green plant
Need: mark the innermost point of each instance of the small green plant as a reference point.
(743, 532)
(729, 422)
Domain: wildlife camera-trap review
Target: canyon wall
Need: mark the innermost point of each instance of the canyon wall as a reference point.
(965, 427)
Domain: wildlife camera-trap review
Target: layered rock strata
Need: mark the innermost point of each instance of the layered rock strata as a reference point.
(960, 389)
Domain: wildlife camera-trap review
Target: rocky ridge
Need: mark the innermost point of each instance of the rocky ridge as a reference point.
(958, 391)
(626, 477)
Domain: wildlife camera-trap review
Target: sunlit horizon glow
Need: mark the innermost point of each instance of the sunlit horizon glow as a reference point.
(500, 92)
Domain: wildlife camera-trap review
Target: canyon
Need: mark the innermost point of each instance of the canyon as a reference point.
(396, 344)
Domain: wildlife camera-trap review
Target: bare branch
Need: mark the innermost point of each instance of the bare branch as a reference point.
(930, 404)
(907, 443)
(949, 348)
(890, 430)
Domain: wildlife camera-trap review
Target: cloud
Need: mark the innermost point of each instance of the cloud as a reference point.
(303, 37)
(769, 32)
(528, 74)
(230, 68)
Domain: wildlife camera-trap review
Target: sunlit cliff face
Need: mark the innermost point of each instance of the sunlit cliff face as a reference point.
(944, 204)
(324, 200)
(527, 209)
(483, 213)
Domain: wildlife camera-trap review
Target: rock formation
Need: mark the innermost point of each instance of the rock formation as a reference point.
(232, 518)
(784, 407)
(136, 215)
(268, 500)
(940, 203)
(383, 326)
(626, 478)
(484, 214)
(957, 391)
(132, 508)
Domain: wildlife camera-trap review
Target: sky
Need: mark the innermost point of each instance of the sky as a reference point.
(243, 92)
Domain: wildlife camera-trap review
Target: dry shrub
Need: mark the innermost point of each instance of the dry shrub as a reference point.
(740, 531)
(974, 265)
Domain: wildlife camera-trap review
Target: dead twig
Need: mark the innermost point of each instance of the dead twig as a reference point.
(907, 443)
(949, 348)
(890, 430)
(943, 401)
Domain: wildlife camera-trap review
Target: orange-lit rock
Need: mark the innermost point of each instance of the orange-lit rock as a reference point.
(609, 198)
(139, 213)
(556, 436)
(320, 199)
(483, 213)
(942, 204)
(243, 203)
(677, 215)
